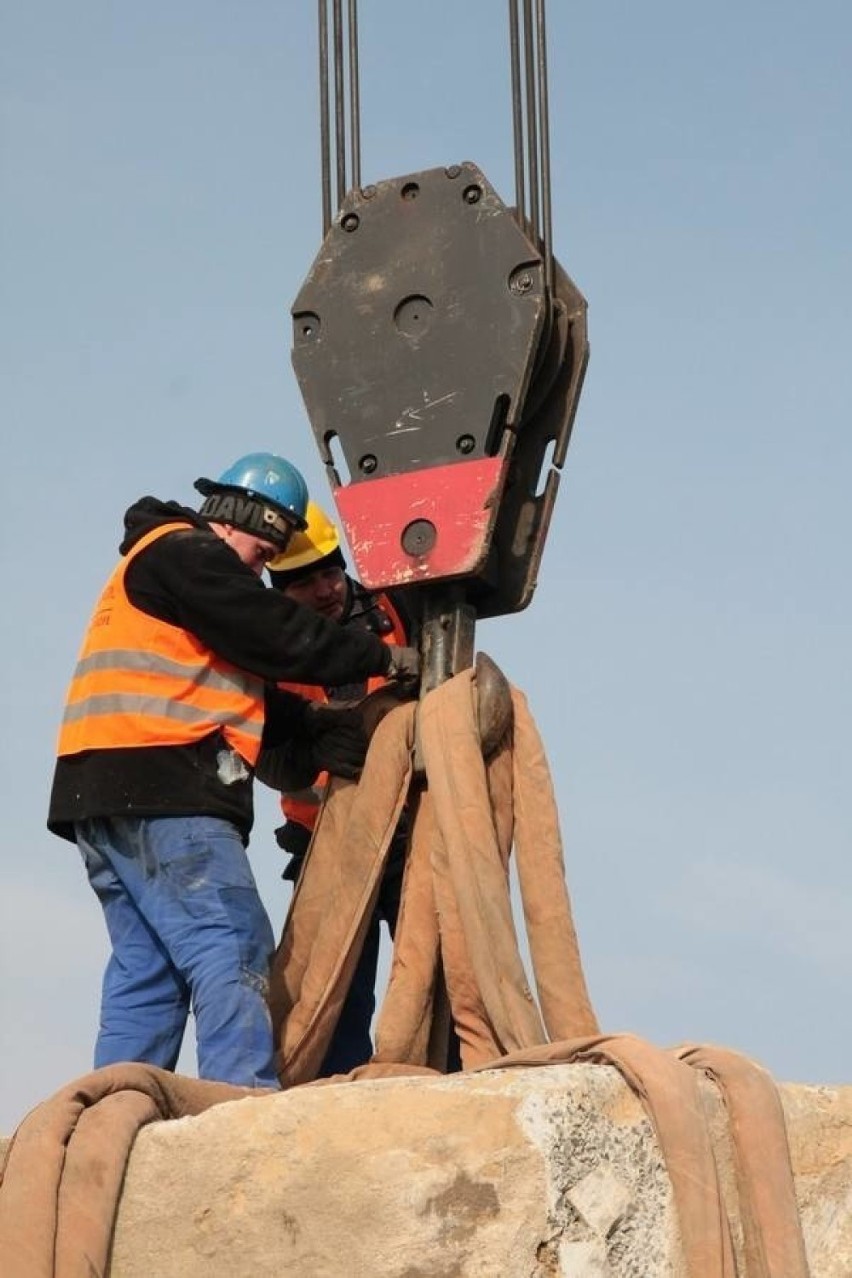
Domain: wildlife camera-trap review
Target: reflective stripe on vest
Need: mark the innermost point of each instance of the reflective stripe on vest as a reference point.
(302, 806)
(141, 681)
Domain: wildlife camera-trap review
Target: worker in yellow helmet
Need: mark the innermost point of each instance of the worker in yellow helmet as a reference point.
(312, 571)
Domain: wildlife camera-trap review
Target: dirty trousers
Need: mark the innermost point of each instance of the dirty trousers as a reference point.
(188, 929)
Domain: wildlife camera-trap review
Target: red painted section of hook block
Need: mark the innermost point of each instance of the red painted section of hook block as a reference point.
(460, 501)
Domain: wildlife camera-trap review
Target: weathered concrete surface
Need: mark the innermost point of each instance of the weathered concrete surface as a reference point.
(819, 1126)
(527, 1173)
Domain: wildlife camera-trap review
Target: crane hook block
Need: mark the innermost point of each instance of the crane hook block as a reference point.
(440, 373)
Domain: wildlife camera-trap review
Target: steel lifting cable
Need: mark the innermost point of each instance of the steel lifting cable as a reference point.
(354, 97)
(339, 77)
(530, 125)
(325, 158)
(339, 80)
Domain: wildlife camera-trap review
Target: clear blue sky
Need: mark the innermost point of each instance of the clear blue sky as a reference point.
(687, 652)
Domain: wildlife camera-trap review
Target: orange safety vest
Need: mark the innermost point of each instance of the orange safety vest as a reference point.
(141, 681)
(302, 806)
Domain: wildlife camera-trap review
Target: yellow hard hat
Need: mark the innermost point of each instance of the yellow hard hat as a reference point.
(319, 540)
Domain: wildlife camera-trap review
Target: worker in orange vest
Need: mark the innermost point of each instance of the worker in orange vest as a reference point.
(312, 571)
(172, 700)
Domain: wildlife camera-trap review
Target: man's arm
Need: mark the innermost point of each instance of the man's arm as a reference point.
(193, 580)
(303, 738)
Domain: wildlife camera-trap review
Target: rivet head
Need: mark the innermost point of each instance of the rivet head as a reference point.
(521, 280)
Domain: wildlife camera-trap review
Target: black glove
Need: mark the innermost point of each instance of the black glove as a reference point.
(337, 740)
(404, 665)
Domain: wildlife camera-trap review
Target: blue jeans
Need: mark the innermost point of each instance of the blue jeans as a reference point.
(351, 1043)
(188, 929)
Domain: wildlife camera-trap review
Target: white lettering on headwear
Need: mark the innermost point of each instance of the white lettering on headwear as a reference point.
(247, 513)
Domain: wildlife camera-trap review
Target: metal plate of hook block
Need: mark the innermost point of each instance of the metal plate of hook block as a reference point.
(430, 358)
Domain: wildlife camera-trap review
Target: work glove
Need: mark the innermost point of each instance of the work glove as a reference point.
(336, 739)
(404, 665)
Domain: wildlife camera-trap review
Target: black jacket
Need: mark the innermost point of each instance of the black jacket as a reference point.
(194, 580)
(363, 613)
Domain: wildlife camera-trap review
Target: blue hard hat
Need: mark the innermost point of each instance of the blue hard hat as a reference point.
(269, 479)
